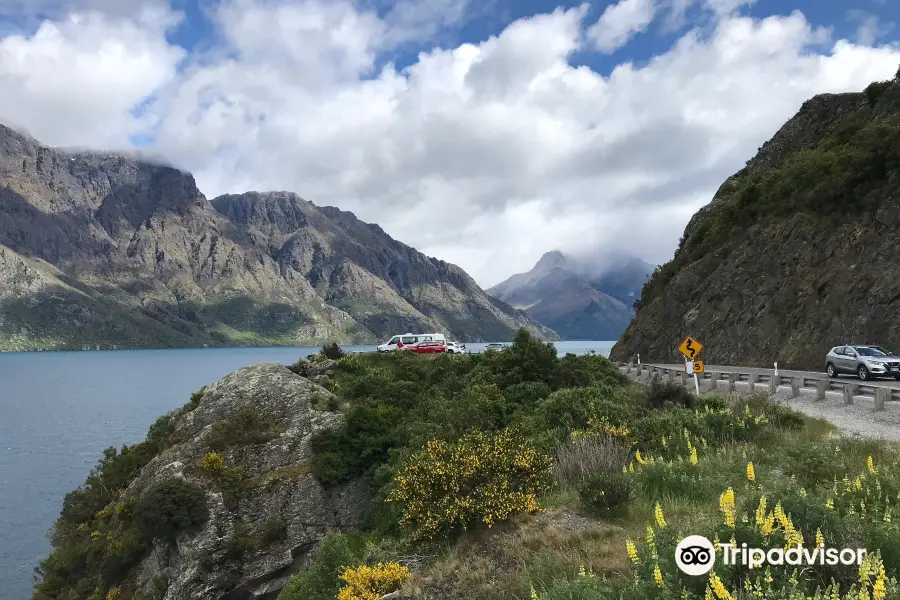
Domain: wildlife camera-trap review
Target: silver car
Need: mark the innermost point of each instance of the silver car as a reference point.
(456, 348)
(865, 362)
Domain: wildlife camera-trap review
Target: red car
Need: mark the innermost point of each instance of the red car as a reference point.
(426, 347)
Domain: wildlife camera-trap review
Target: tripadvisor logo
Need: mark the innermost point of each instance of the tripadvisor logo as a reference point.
(695, 555)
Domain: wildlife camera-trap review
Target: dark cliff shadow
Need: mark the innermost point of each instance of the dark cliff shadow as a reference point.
(55, 238)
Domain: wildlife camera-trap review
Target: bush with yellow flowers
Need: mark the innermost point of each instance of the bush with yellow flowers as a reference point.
(483, 478)
(371, 583)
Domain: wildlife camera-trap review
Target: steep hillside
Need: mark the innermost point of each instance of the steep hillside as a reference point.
(798, 252)
(577, 297)
(113, 251)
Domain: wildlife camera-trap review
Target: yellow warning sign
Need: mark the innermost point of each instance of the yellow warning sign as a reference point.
(690, 348)
(698, 366)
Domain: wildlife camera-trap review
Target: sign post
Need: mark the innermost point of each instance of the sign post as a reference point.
(691, 348)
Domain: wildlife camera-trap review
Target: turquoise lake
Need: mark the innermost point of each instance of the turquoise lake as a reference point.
(59, 410)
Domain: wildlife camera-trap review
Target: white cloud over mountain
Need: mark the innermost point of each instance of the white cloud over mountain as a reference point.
(485, 154)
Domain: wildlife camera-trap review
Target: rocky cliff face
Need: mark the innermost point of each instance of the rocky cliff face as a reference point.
(796, 253)
(245, 447)
(579, 298)
(110, 250)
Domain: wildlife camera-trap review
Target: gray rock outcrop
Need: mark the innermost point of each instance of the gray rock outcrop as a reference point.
(255, 539)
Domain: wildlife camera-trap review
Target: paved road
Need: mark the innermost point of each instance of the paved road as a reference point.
(891, 383)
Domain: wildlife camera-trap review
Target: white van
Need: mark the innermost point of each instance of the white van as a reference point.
(400, 341)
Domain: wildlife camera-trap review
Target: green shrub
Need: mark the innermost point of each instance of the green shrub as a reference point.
(874, 91)
(332, 350)
(606, 492)
(213, 462)
(170, 508)
(584, 456)
(272, 531)
(245, 427)
(321, 580)
(483, 478)
(661, 395)
(301, 368)
(196, 397)
(231, 482)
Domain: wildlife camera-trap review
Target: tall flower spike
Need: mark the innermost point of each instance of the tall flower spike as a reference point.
(751, 473)
(658, 513)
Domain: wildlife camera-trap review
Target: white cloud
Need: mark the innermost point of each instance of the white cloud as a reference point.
(870, 27)
(486, 155)
(620, 22)
(726, 7)
(74, 82)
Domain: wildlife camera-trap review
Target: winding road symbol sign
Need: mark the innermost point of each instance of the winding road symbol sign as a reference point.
(690, 348)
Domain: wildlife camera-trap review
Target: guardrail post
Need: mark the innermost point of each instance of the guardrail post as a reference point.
(638, 370)
(670, 375)
(796, 386)
(732, 378)
(752, 378)
(854, 389)
(683, 378)
(880, 394)
(628, 369)
(713, 381)
(848, 394)
(821, 386)
(773, 384)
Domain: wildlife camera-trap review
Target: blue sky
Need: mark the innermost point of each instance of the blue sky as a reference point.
(843, 17)
(586, 131)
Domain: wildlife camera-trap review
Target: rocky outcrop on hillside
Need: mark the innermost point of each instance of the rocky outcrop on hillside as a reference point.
(246, 444)
(796, 253)
(577, 297)
(111, 250)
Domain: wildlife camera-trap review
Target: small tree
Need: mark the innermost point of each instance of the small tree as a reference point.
(332, 350)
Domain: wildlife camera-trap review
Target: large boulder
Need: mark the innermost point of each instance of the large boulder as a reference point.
(266, 511)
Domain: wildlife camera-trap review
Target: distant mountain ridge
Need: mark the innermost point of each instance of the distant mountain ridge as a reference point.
(108, 250)
(578, 297)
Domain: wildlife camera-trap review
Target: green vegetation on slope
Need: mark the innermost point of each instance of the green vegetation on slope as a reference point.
(458, 447)
(853, 170)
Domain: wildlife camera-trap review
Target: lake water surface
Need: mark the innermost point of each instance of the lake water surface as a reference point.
(59, 410)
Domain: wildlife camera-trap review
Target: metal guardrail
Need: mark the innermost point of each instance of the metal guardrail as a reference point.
(821, 384)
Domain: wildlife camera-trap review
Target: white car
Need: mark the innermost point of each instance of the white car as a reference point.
(398, 342)
(456, 348)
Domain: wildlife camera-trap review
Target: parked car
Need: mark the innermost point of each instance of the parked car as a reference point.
(456, 348)
(865, 362)
(494, 347)
(398, 342)
(428, 347)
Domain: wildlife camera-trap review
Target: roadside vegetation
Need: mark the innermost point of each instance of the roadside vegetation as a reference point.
(520, 475)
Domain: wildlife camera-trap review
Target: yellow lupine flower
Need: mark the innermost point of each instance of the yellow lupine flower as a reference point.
(632, 551)
(879, 591)
(637, 457)
(751, 473)
(870, 464)
(761, 511)
(820, 539)
(718, 587)
(726, 505)
(534, 595)
(658, 513)
(657, 577)
(694, 460)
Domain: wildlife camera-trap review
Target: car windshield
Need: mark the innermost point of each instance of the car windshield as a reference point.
(866, 351)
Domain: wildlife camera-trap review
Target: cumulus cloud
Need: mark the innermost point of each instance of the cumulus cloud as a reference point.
(870, 28)
(485, 154)
(620, 22)
(78, 81)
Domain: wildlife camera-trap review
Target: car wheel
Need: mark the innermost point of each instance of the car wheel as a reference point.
(832, 372)
(862, 372)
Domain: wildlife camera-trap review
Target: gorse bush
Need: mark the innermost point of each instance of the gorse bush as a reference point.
(170, 508)
(371, 583)
(322, 579)
(483, 478)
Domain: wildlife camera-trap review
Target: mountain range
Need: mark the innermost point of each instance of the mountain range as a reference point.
(580, 297)
(797, 252)
(117, 251)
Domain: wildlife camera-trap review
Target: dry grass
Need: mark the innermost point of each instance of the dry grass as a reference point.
(500, 564)
(581, 457)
